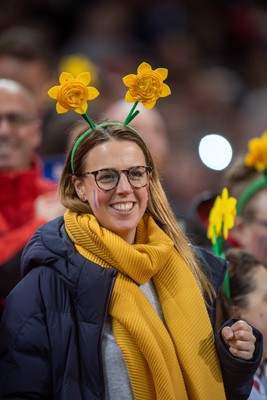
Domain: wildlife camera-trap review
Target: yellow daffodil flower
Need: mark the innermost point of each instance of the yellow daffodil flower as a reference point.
(73, 93)
(147, 86)
(257, 155)
(222, 216)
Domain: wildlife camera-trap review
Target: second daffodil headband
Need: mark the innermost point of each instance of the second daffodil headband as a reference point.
(146, 87)
(257, 158)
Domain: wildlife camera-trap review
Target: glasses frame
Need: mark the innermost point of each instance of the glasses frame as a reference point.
(148, 170)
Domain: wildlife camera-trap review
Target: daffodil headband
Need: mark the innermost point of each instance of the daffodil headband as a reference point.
(73, 93)
(221, 219)
(257, 158)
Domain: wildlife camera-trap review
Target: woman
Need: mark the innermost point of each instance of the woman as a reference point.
(248, 301)
(114, 301)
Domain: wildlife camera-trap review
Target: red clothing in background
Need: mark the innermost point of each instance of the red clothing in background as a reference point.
(19, 219)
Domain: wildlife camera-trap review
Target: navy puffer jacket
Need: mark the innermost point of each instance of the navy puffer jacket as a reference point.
(50, 343)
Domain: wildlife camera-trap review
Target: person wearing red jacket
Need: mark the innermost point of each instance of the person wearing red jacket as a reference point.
(27, 199)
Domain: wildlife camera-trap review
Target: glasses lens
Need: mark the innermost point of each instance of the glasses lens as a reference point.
(107, 179)
(138, 177)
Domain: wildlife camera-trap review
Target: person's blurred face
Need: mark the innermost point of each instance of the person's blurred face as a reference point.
(120, 209)
(20, 131)
(256, 311)
(252, 234)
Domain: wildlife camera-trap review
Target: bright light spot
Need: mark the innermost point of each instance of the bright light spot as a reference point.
(215, 151)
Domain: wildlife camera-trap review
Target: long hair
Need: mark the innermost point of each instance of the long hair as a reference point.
(158, 206)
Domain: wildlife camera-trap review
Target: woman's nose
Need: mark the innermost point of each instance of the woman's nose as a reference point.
(123, 184)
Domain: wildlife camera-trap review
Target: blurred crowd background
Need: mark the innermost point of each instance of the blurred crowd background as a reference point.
(215, 51)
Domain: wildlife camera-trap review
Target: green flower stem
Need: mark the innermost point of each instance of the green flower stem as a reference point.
(218, 251)
(131, 114)
(218, 244)
(88, 120)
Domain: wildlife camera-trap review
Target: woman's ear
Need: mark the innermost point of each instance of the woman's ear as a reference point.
(79, 187)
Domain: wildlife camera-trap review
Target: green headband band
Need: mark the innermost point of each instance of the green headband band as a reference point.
(102, 125)
(249, 191)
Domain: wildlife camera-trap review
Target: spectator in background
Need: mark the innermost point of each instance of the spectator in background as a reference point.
(247, 301)
(250, 230)
(246, 180)
(27, 200)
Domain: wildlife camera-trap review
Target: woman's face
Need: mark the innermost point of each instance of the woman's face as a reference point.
(120, 209)
(256, 311)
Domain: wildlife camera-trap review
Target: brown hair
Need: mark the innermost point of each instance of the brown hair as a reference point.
(158, 205)
(241, 270)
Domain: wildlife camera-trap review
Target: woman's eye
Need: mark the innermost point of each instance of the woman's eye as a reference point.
(106, 176)
(137, 173)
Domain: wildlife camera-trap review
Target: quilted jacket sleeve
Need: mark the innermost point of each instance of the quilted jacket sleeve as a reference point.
(238, 373)
(24, 344)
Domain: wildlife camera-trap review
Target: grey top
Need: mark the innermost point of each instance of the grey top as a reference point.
(117, 383)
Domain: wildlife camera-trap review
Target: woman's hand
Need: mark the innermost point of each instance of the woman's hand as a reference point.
(240, 339)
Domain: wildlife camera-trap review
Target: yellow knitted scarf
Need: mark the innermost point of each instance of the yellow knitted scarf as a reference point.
(174, 359)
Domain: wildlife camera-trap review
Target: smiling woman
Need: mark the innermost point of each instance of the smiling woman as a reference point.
(121, 197)
(118, 276)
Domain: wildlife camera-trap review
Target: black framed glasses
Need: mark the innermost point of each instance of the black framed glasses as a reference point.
(108, 178)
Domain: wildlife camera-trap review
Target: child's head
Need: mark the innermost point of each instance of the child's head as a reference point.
(248, 292)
